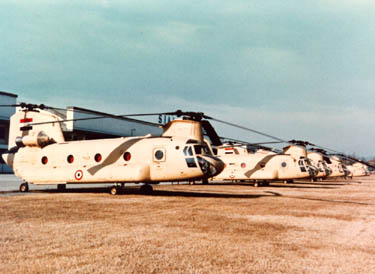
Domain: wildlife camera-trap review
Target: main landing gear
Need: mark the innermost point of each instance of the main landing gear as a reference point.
(145, 189)
(114, 190)
(261, 183)
(61, 187)
(24, 187)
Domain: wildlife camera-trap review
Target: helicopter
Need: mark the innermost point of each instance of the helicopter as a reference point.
(320, 161)
(39, 154)
(358, 169)
(258, 165)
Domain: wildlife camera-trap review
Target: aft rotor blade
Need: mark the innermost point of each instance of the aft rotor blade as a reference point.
(249, 129)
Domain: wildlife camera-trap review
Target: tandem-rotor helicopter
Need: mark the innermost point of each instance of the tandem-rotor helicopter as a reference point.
(261, 165)
(39, 154)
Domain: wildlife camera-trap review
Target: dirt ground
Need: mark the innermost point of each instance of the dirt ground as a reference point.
(304, 227)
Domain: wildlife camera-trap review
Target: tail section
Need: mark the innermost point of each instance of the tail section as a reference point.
(25, 129)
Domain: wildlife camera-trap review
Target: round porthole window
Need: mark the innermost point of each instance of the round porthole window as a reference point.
(262, 164)
(127, 156)
(44, 160)
(98, 157)
(159, 155)
(283, 164)
(70, 159)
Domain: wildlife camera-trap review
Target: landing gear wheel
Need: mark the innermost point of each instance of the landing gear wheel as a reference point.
(113, 190)
(205, 182)
(24, 187)
(146, 189)
(61, 187)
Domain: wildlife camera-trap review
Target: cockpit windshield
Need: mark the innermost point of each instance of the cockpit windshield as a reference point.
(201, 150)
(308, 162)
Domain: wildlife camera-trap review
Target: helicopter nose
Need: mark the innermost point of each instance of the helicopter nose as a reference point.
(210, 165)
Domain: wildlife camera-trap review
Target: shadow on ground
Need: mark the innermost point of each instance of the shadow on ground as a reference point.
(137, 191)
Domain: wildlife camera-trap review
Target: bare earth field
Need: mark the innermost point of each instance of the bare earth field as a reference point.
(325, 227)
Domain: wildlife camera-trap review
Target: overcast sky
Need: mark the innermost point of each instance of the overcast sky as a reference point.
(294, 69)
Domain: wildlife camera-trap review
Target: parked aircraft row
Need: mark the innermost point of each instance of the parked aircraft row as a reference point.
(39, 154)
(295, 162)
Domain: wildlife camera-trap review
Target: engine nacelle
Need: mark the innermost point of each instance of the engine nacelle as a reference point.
(39, 140)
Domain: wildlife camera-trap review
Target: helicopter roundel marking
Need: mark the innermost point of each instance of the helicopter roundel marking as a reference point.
(78, 175)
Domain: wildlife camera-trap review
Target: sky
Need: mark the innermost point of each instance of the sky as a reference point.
(293, 69)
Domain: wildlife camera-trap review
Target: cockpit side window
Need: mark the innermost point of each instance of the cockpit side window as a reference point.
(188, 151)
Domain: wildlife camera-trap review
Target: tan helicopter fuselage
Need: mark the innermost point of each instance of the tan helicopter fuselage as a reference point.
(336, 166)
(40, 155)
(110, 160)
(261, 165)
(358, 170)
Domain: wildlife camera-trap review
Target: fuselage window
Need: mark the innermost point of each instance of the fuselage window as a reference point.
(98, 157)
(159, 155)
(188, 151)
(127, 156)
(70, 159)
(283, 164)
(201, 150)
(198, 150)
(191, 162)
(44, 160)
(301, 166)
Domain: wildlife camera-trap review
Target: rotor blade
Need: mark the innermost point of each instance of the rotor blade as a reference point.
(10, 106)
(356, 160)
(240, 142)
(266, 143)
(248, 129)
(101, 117)
(215, 139)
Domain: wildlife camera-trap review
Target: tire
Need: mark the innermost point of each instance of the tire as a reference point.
(24, 187)
(113, 190)
(146, 189)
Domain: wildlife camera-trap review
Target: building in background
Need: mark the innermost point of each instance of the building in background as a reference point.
(5, 114)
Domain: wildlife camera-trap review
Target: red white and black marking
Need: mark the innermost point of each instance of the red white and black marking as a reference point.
(78, 175)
